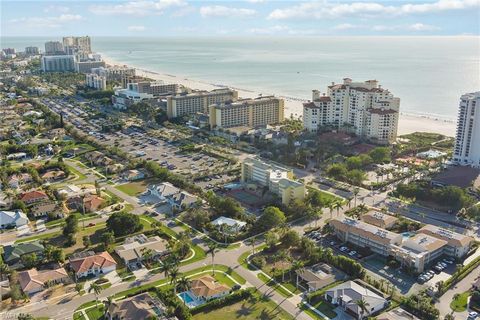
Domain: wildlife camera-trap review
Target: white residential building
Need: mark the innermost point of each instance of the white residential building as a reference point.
(247, 112)
(61, 63)
(190, 103)
(12, 219)
(95, 81)
(467, 143)
(124, 98)
(114, 73)
(364, 107)
(278, 179)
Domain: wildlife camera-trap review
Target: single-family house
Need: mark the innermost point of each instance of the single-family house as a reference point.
(15, 181)
(90, 263)
(133, 249)
(228, 225)
(132, 175)
(348, 293)
(70, 191)
(318, 276)
(9, 219)
(48, 208)
(397, 314)
(90, 202)
(139, 307)
(34, 196)
(163, 190)
(12, 254)
(33, 280)
(53, 175)
(182, 201)
(207, 288)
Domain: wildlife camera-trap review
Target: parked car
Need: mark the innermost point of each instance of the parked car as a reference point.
(344, 249)
(472, 315)
(352, 253)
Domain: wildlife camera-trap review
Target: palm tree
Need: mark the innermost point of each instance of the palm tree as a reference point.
(355, 193)
(174, 273)
(331, 206)
(147, 254)
(296, 265)
(165, 268)
(96, 288)
(212, 249)
(362, 305)
(184, 284)
(337, 205)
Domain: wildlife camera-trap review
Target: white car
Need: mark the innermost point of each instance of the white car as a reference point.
(343, 249)
(472, 315)
(352, 253)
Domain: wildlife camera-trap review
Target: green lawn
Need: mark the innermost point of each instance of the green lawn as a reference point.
(80, 176)
(132, 188)
(39, 237)
(243, 257)
(255, 308)
(95, 313)
(275, 286)
(61, 222)
(460, 302)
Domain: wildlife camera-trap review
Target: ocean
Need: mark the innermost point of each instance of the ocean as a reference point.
(429, 74)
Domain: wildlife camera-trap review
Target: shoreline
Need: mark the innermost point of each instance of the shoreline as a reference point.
(407, 123)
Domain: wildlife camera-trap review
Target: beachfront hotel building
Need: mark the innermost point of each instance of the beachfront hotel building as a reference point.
(247, 112)
(278, 179)
(364, 108)
(115, 73)
(53, 48)
(187, 103)
(82, 44)
(95, 81)
(61, 63)
(156, 88)
(467, 141)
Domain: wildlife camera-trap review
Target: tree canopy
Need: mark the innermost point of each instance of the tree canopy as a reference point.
(123, 223)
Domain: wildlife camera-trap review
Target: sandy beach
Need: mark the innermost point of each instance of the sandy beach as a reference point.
(408, 123)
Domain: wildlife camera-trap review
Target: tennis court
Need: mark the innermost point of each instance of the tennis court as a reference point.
(245, 197)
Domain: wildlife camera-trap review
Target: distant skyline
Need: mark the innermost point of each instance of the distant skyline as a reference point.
(239, 18)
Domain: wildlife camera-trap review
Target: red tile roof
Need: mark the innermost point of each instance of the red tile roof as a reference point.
(33, 195)
(102, 260)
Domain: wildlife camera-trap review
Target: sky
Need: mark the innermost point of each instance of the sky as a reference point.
(240, 18)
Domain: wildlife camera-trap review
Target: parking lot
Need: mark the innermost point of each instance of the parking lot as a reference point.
(141, 144)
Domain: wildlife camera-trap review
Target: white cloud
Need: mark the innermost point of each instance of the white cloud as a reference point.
(270, 30)
(56, 9)
(422, 27)
(47, 22)
(416, 27)
(326, 9)
(256, 1)
(345, 26)
(222, 11)
(136, 28)
(137, 8)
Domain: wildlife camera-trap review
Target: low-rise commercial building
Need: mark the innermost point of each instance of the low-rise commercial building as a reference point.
(278, 179)
(457, 245)
(188, 103)
(247, 112)
(419, 251)
(365, 235)
(124, 98)
(379, 219)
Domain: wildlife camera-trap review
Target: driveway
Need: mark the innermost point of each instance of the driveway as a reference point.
(443, 304)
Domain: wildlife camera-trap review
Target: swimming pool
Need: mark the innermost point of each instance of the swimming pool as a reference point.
(407, 235)
(189, 299)
(186, 297)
